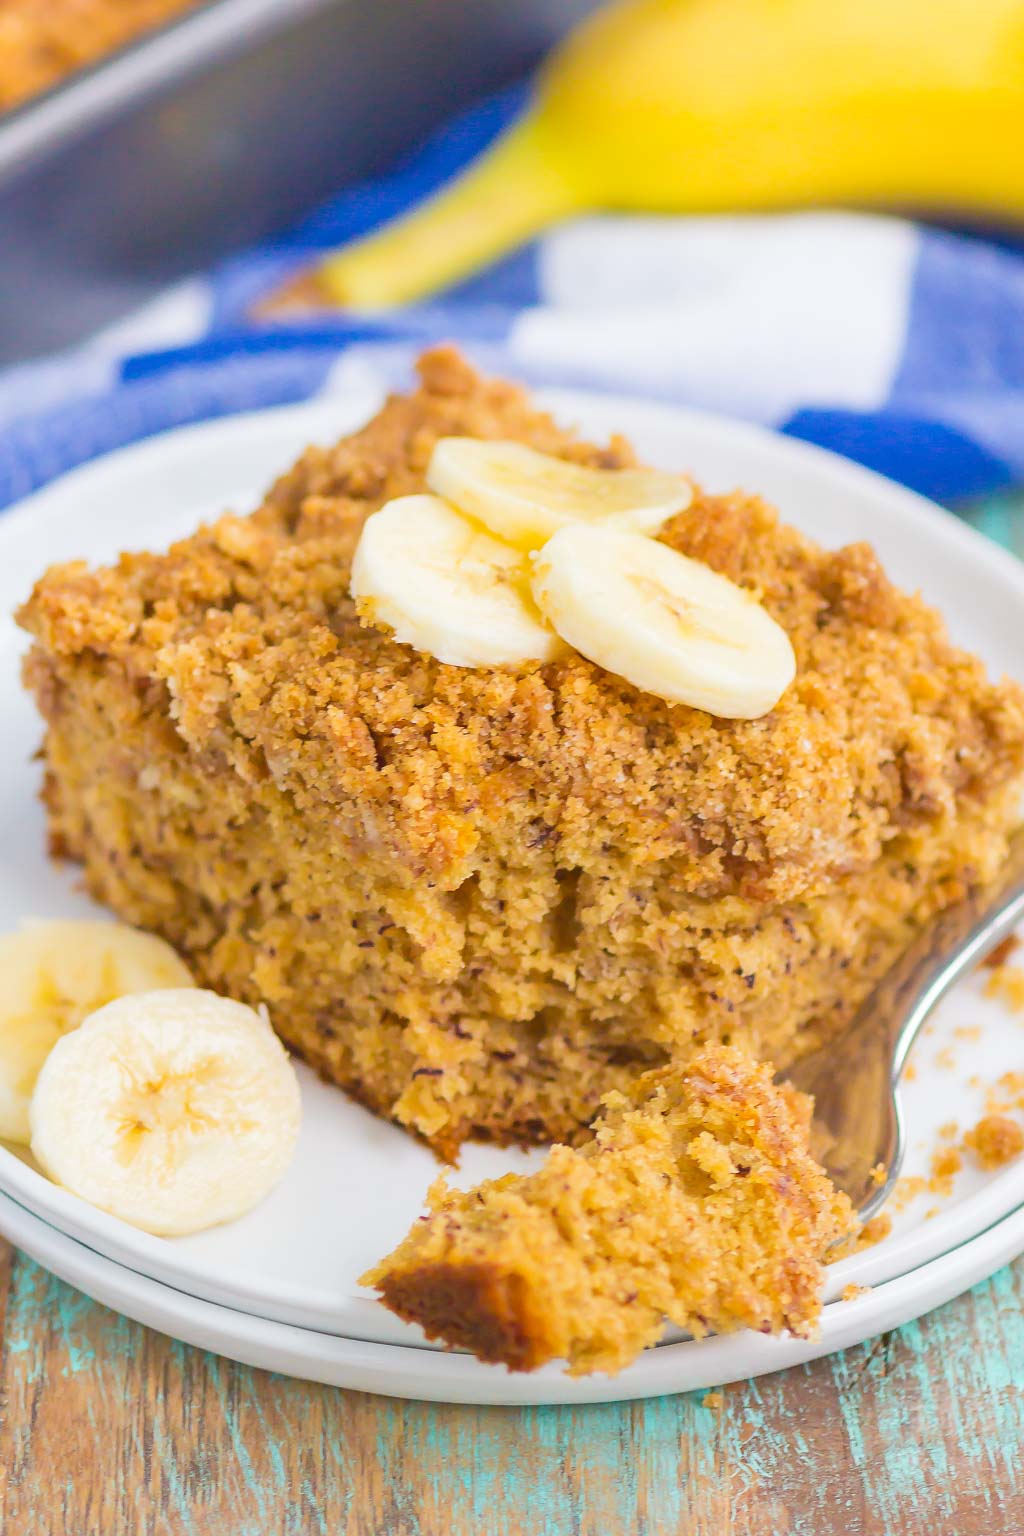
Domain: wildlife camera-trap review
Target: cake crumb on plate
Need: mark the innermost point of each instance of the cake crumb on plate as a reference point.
(995, 1140)
(1006, 984)
(1002, 952)
(874, 1231)
(946, 1164)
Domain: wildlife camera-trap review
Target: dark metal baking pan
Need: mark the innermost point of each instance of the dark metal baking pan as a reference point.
(220, 129)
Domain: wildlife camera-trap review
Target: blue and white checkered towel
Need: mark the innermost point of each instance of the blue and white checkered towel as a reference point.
(896, 344)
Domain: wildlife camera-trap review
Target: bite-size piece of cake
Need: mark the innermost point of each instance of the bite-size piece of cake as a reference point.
(695, 1198)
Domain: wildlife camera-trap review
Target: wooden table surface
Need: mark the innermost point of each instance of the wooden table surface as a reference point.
(108, 1429)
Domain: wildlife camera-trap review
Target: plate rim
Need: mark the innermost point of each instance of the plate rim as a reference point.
(561, 401)
(411, 1371)
(159, 1260)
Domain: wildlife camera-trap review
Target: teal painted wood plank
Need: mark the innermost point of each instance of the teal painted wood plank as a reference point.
(1001, 518)
(107, 1423)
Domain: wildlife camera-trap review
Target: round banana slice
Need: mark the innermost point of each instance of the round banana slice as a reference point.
(173, 1110)
(524, 496)
(669, 624)
(52, 975)
(447, 588)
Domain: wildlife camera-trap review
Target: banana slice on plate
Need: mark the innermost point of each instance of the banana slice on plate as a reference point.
(53, 975)
(524, 496)
(447, 588)
(173, 1110)
(668, 624)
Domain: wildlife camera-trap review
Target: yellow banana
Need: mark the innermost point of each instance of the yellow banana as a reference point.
(700, 105)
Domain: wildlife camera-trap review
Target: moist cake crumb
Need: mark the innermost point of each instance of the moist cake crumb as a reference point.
(907, 1189)
(1006, 984)
(1002, 952)
(1006, 1094)
(946, 1164)
(695, 1199)
(995, 1140)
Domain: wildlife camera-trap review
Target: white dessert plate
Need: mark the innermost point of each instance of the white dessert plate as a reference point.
(397, 1370)
(357, 1183)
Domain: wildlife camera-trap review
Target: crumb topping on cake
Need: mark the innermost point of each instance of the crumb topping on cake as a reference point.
(250, 629)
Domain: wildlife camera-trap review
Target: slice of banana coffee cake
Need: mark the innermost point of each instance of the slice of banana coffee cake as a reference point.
(559, 772)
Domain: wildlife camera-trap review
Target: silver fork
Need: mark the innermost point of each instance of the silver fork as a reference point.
(855, 1077)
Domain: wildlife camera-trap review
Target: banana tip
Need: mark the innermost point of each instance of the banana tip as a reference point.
(305, 294)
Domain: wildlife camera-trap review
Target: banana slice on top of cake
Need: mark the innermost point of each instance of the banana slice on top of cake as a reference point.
(695, 1199)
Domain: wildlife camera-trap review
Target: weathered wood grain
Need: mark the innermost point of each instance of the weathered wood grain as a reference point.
(107, 1429)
